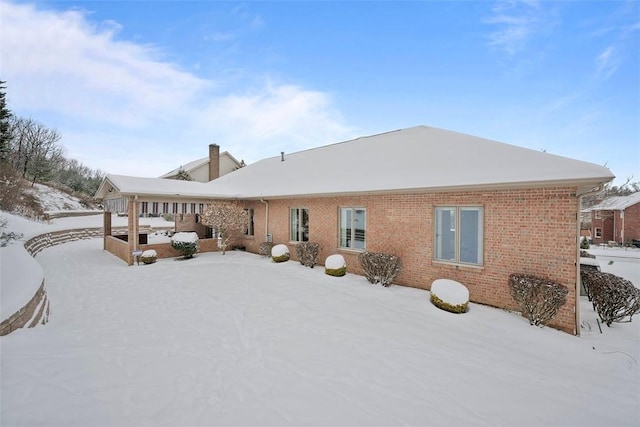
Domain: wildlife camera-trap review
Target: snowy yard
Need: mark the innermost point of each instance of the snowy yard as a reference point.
(239, 340)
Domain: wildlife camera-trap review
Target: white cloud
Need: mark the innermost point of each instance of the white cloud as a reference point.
(607, 63)
(517, 22)
(61, 62)
(119, 104)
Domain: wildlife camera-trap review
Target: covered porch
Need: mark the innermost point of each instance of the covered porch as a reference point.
(123, 197)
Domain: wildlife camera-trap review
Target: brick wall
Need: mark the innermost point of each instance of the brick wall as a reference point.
(525, 231)
(632, 222)
(605, 223)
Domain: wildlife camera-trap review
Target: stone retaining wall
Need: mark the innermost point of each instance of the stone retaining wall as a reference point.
(36, 310)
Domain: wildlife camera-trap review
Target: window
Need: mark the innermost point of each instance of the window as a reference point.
(598, 215)
(249, 230)
(459, 234)
(598, 233)
(299, 225)
(353, 228)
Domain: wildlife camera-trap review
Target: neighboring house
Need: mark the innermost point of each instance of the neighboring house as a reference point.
(449, 205)
(616, 219)
(208, 168)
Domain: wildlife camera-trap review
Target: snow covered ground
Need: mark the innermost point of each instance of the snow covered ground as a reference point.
(240, 340)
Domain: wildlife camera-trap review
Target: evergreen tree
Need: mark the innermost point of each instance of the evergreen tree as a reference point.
(5, 115)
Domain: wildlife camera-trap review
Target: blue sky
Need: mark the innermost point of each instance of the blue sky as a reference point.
(141, 87)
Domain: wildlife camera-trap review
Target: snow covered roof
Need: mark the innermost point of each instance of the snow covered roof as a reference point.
(409, 160)
(187, 168)
(122, 185)
(416, 159)
(617, 203)
(191, 166)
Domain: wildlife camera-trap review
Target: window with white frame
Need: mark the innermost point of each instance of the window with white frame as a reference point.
(249, 230)
(353, 228)
(299, 225)
(598, 233)
(459, 234)
(597, 215)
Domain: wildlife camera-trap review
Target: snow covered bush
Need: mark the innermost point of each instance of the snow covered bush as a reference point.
(585, 254)
(229, 219)
(6, 237)
(584, 243)
(614, 298)
(379, 267)
(539, 299)
(186, 242)
(265, 249)
(307, 253)
(335, 265)
(280, 253)
(450, 295)
(149, 256)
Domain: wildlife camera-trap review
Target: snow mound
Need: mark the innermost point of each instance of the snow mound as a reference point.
(280, 253)
(335, 265)
(450, 295)
(335, 261)
(149, 256)
(185, 237)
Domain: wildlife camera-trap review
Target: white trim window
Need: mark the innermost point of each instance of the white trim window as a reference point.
(459, 234)
(353, 228)
(249, 231)
(598, 233)
(299, 225)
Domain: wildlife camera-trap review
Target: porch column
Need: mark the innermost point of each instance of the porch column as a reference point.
(132, 228)
(106, 228)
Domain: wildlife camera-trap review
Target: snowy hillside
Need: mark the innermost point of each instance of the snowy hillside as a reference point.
(54, 200)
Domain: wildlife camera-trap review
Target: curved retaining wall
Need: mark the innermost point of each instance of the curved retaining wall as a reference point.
(36, 310)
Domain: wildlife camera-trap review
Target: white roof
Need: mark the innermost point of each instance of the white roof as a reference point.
(416, 159)
(409, 160)
(617, 203)
(121, 185)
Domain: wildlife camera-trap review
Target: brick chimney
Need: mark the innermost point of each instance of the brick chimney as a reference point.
(214, 161)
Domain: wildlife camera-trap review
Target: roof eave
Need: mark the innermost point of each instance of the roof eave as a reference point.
(580, 184)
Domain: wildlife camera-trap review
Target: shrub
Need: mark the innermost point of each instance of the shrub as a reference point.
(450, 295)
(613, 298)
(584, 243)
(539, 299)
(265, 248)
(307, 253)
(280, 253)
(335, 265)
(186, 243)
(149, 256)
(585, 254)
(379, 267)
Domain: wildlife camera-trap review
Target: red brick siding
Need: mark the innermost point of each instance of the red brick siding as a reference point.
(632, 222)
(604, 223)
(525, 231)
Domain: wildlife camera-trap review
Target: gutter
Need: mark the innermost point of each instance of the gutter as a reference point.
(266, 219)
(594, 190)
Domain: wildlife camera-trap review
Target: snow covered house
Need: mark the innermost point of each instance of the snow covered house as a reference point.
(616, 219)
(208, 168)
(450, 205)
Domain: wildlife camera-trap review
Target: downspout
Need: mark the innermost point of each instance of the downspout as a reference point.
(595, 190)
(266, 219)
